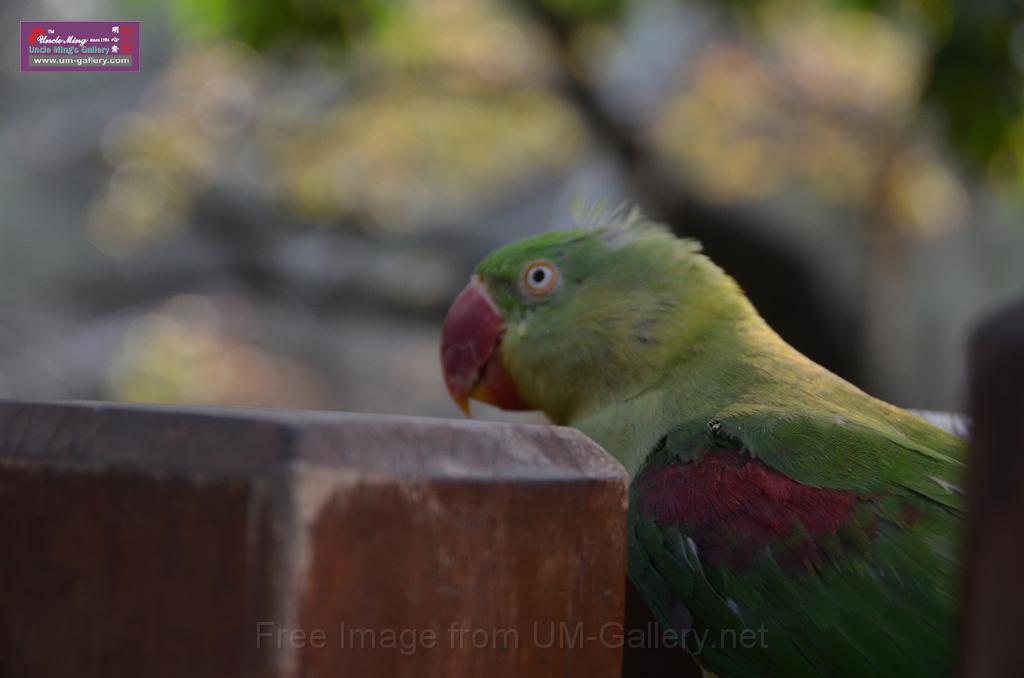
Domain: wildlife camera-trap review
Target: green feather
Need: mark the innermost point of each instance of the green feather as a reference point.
(655, 353)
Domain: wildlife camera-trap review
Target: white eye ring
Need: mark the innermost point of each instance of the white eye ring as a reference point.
(540, 277)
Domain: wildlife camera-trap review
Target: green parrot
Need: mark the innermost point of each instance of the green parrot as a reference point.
(782, 522)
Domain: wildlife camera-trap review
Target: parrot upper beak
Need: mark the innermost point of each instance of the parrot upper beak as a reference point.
(471, 353)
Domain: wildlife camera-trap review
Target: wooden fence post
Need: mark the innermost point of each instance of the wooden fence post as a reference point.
(994, 591)
(198, 542)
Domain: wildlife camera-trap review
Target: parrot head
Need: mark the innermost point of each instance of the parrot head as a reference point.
(568, 320)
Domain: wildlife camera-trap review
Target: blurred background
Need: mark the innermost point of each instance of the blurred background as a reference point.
(278, 209)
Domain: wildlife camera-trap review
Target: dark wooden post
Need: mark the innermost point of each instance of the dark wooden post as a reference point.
(167, 542)
(991, 645)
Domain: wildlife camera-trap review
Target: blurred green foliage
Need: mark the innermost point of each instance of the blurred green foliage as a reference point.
(972, 71)
(578, 11)
(976, 83)
(277, 210)
(264, 23)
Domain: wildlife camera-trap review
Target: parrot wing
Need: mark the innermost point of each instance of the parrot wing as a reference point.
(784, 544)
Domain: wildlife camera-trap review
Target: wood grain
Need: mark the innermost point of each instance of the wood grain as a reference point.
(207, 542)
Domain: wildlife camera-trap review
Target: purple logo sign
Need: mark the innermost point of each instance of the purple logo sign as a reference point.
(80, 46)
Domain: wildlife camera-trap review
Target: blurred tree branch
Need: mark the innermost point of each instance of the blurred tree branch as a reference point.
(777, 279)
(241, 237)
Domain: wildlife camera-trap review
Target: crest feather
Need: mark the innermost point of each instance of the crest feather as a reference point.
(619, 226)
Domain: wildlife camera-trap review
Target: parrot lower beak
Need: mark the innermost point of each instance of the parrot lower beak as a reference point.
(471, 353)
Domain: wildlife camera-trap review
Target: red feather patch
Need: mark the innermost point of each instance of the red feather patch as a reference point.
(734, 507)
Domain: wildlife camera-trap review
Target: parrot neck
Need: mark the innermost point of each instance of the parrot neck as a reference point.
(710, 371)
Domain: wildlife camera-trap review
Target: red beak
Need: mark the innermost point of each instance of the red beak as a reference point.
(471, 352)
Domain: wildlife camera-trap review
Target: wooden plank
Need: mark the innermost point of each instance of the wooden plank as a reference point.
(169, 542)
(995, 540)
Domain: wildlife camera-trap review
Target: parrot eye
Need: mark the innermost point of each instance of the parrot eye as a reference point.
(540, 277)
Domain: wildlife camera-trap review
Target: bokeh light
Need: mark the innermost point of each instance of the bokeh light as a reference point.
(278, 208)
